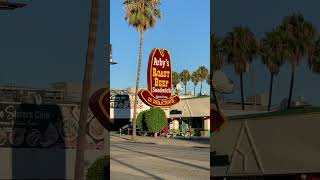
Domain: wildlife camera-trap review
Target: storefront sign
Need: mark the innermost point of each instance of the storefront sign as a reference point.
(119, 101)
(159, 93)
(152, 101)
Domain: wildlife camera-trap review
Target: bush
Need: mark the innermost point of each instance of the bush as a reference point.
(155, 119)
(98, 169)
(141, 123)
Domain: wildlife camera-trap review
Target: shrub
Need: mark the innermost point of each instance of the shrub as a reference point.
(155, 119)
(141, 123)
(98, 169)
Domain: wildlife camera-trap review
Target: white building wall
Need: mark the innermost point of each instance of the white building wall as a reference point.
(126, 113)
(207, 124)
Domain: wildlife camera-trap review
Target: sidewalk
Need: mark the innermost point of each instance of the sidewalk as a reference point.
(195, 142)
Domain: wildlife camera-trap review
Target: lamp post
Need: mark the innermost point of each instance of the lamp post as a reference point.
(5, 5)
(107, 140)
(111, 62)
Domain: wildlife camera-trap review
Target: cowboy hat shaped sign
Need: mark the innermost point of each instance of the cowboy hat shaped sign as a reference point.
(159, 92)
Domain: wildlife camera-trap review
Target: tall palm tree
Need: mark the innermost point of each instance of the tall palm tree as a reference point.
(175, 79)
(185, 78)
(195, 79)
(299, 37)
(273, 53)
(86, 87)
(240, 46)
(142, 15)
(202, 72)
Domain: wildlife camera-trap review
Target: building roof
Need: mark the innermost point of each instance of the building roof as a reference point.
(271, 145)
(192, 107)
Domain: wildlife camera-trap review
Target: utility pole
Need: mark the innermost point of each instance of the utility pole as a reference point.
(107, 135)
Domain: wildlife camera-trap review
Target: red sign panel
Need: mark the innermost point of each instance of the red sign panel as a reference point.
(159, 81)
(217, 119)
(159, 74)
(99, 104)
(150, 100)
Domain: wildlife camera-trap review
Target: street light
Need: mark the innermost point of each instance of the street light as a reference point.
(111, 62)
(5, 5)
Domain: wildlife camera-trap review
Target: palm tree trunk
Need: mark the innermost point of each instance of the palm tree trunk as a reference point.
(194, 90)
(201, 88)
(242, 98)
(291, 85)
(86, 87)
(270, 91)
(134, 122)
(185, 89)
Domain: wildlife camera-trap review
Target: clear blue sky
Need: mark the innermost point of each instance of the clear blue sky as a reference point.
(184, 30)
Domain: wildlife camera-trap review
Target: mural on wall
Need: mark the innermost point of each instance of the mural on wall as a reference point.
(45, 126)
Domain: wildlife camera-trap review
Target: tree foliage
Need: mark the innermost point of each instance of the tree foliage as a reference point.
(239, 47)
(98, 169)
(272, 50)
(155, 119)
(141, 121)
(185, 78)
(299, 36)
(175, 79)
(195, 79)
(142, 14)
(202, 73)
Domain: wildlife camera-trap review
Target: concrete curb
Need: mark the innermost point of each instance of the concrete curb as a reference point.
(148, 142)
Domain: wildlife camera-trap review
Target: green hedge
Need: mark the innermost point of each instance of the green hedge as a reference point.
(98, 169)
(155, 119)
(141, 123)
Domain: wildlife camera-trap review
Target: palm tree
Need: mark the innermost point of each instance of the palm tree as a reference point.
(175, 79)
(86, 87)
(142, 15)
(272, 52)
(299, 36)
(203, 72)
(239, 47)
(208, 80)
(185, 78)
(195, 79)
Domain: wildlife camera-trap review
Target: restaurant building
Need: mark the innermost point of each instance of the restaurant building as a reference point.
(194, 111)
